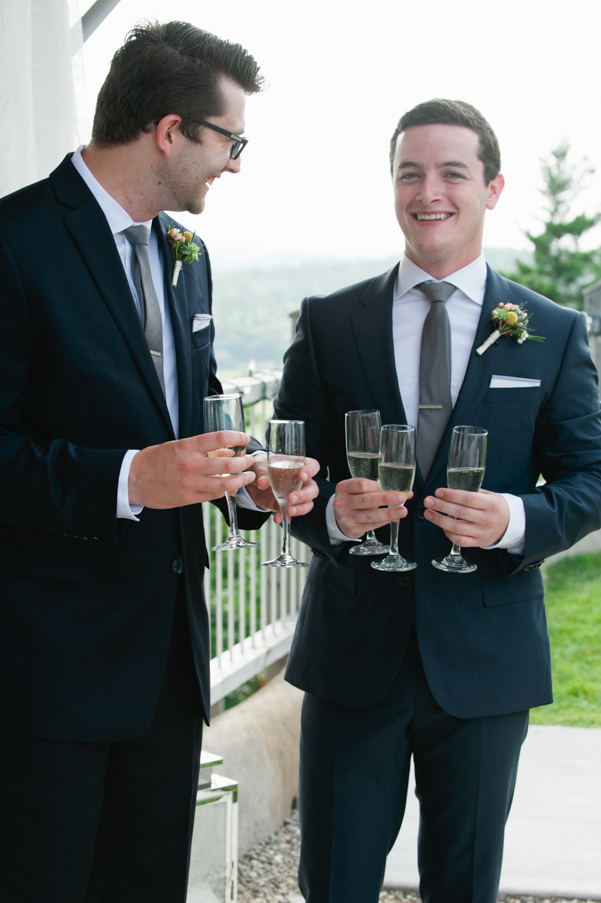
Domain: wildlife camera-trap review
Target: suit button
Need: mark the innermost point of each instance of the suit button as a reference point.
(403, 582)
(176, 565)
(421, 512)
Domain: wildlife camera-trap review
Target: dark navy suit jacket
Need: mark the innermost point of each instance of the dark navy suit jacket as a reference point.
(87, 600)
(483, 637)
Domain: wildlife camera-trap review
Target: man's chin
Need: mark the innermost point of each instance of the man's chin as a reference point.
(196, 206)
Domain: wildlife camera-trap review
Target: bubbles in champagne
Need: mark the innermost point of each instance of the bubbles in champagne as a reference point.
(396, 477)
(363, 464)
(467, 478)
(284, 476)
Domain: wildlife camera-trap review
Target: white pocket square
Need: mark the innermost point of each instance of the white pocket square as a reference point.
(200, 321)
(513, 382)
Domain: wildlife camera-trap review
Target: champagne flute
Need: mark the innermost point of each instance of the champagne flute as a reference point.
(285, 460)
(226, 412)
(362, 430)
(396, 472)
(465, 470)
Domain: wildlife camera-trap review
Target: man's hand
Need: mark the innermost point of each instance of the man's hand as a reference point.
(358, 506)
(181, 473)
(300, 501)
(484, 516)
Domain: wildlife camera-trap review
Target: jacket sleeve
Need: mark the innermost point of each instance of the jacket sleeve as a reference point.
(302, 396)
(47, 484)
(567, 446)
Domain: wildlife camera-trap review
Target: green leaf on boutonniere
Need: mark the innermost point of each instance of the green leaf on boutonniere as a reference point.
(510, 320)
(183, 248)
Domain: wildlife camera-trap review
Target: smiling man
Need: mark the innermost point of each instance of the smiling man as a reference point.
(104, 636)
(438, 667)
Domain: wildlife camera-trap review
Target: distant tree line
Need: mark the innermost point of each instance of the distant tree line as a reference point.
(252, 307)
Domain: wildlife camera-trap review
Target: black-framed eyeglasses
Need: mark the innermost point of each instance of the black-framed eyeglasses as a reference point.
(239, 142)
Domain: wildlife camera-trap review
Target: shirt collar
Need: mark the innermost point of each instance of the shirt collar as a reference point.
(118, 218)
(471, 280)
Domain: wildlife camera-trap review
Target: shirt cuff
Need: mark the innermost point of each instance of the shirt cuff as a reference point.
(334, 532)
(243, 500)
(124, 509)
(514, 538)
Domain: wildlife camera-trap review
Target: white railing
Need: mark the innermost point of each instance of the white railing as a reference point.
(253, 610)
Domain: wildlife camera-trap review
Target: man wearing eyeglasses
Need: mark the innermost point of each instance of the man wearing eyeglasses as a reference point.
(104, 640)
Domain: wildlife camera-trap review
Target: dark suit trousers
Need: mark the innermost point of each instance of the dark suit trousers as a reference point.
(353, 788)
(106, 822)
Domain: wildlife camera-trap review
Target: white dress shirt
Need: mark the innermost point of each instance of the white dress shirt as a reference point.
(409, 310)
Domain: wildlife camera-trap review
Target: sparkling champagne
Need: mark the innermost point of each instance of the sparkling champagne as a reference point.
(363, 464)
(284, 476)
(396, 477)
(467, 478)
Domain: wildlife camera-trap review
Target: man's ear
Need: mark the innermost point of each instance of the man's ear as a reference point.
(166, 129)
(495, 187)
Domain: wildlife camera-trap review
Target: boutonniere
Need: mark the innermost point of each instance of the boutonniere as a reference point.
(184, 250)
(510, 320)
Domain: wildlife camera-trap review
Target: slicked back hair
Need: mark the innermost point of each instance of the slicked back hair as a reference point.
(454, 112)
(171, 68)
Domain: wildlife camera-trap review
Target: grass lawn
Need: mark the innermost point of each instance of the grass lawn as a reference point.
(573, 599)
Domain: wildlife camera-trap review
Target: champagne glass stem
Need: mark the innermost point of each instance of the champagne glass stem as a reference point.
(394, 537)
(286, 528)
(455, 553)
(232, 515)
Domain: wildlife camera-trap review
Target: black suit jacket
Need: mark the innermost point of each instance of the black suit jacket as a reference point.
(483, 637)
(86, 599)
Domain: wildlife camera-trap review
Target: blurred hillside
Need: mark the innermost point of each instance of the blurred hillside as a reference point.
(251, 306)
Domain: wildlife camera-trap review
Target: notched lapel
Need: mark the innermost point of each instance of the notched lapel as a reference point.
(479, 369)
(372, 325)
(90, 232)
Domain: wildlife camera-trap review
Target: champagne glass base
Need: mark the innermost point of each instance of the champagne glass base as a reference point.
(284, 561)
(369, 547)
(394, 563)
(454, 566)
(234, 542)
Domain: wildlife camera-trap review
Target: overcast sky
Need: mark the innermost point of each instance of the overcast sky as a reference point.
(315, 177)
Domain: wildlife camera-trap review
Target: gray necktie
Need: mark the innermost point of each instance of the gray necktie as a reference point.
(435, 403)
(151, 312)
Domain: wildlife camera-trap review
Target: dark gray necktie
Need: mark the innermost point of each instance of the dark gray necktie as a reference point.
(151, 312)
(435, 403)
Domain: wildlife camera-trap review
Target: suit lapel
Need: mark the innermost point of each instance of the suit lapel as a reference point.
(90, 232)
(372, 325)
(479, 369)
(178, 307)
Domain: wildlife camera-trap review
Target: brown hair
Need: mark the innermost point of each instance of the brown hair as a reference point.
(454, 112)
(171, 68)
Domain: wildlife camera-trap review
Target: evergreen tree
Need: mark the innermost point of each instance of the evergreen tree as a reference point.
(560, 270)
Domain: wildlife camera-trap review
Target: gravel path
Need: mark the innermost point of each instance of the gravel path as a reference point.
(267, 874)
